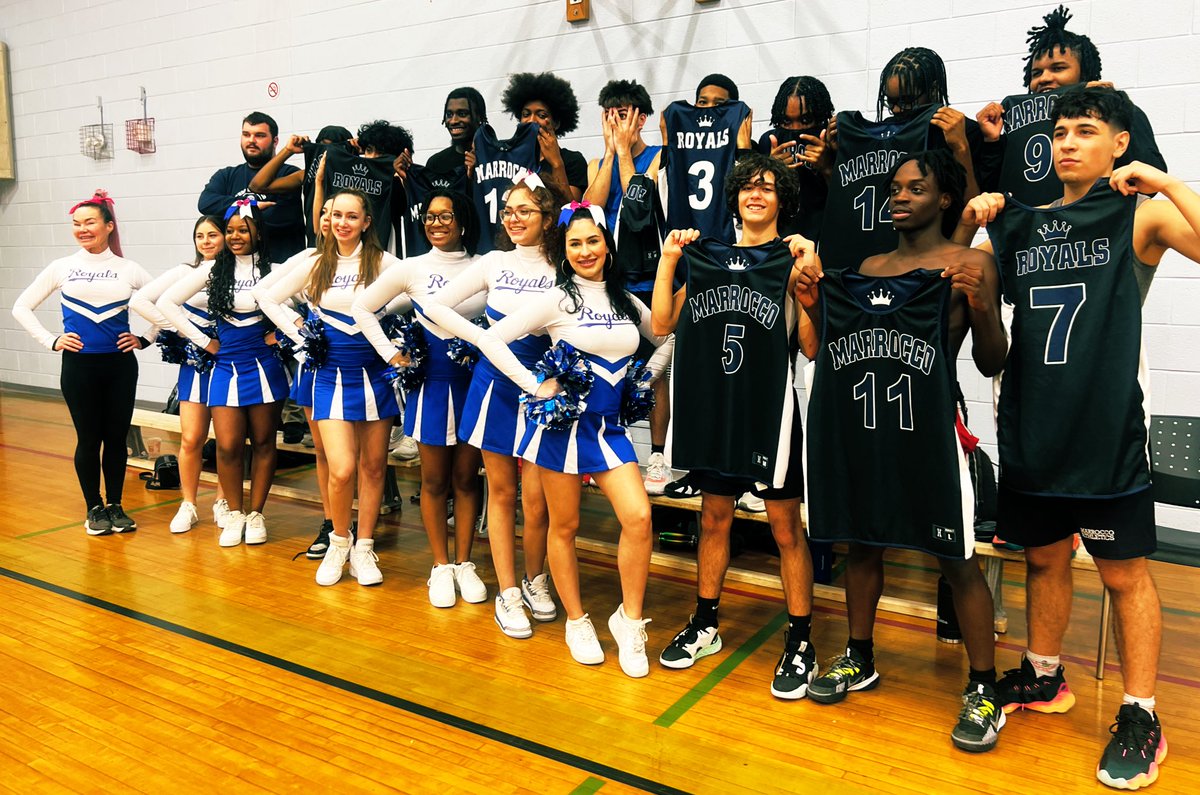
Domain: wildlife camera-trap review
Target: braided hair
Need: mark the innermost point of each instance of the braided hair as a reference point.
(920, 73)
(811, 90)
(221, 277)
(1054, 36)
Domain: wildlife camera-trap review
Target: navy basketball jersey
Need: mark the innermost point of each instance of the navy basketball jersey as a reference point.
(857, 222)
(1027, 171)
(371, 175)
(497, 163)
(638, 233)
(312, 160)
(731, 390)
(419, 184)
(1072, 411)
(882, 457)
(701, 146)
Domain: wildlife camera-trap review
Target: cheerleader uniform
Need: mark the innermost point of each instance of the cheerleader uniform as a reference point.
(191, 385)
(432, 414)
(246, 371)
(99, 383)
(350, 384)
(301, 392)
(492, 418)
(597, 441)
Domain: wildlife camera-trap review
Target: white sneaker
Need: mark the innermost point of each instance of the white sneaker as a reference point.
(441, 586)
(364, 563)
(405, 450)
(231, 532)
(751, 503)
(330, 570)
(256, 528)
(469, 585)
(657, 474)
(536, 595)
(510, 614)
(582, 641)
(220, 513)
(395, 436)
(185, 518)
(630, 635)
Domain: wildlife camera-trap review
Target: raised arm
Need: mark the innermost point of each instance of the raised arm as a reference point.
(975, 278)
(170, 304)
(1161, 225)
(667, 302)
(264, 181)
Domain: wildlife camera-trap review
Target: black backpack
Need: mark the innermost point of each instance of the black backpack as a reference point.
(165, 474)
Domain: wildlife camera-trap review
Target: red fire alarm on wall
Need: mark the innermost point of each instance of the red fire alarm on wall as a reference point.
(579, 10)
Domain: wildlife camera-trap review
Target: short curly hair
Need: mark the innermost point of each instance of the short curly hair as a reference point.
(622, 93)
(385, 138)
(753, 165)
(546, 87)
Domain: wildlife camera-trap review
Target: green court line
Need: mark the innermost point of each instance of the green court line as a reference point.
(77, 523)
(592, 784)
(38, 420)
(705, 685)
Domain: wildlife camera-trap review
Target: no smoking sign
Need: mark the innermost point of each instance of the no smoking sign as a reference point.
(272, 89)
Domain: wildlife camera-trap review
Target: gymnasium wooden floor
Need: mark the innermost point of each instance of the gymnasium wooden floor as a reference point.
(150, 662)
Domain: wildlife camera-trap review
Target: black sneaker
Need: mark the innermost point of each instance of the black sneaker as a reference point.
(293, 432)
(692, 643)
(316, 550)
(681, 489)
(980, 720)
(796, 670)
(121, 522)
(97, 522)
(1022, 688)
(843, 675)
(1135, 751)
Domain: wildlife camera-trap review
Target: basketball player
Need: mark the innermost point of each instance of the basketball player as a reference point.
(738, 353)
(463, 114)
(549, 101)
(1070, 463)
(900, 407)
(799, 115)
(1016, 156)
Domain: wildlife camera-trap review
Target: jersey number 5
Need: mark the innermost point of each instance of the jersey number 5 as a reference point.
(731, 360)
(1066, 299)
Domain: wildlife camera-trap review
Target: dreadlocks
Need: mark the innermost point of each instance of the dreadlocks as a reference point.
(920, 73)
(1053, 37)
(811, 90)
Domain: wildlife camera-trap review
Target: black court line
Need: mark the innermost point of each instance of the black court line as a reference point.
(513, 740)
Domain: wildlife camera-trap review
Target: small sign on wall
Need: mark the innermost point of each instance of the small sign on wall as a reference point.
(579, 10)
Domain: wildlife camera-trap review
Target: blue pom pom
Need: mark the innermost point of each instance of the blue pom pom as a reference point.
(574, 375)
(461, 352)
(409, 339)
(172, 347)
(316, 343)
(637, 396)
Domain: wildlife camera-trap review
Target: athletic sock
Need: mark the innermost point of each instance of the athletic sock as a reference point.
(799, 630)
(864, 649)
(987, 677)
(1147, 704)
(1043, 665)
(706, 611)
(657, 448)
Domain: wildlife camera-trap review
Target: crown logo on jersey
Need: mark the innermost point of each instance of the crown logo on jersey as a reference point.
(441, 183)
(360, 169)
(1054, 231)
(705, 121)
(881, 297)
(736, 263)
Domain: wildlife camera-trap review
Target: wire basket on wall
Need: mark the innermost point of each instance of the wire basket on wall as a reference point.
(96, 140)
(139, 133)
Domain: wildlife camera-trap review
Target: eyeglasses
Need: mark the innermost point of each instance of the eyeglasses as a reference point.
(444, 218)
(524, 213)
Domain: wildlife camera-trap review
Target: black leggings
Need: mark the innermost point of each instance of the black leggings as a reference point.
(99, 389)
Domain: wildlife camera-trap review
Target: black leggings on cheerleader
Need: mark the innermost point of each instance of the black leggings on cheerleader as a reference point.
(99, 389)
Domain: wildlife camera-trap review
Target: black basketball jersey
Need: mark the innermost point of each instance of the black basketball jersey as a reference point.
(419, 184)
(1027, 171)
(731, 386)
(1072, 414)
(701, 146)
(312, 159)
(882, 457)
(638, 233)
(372, 176)
(857, 222)
(497, 163)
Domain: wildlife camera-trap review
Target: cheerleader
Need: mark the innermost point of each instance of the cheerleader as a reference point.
(99, 376)
(352, 402)
(192, 384)
(591, 310)
(491, 418)
(248, 382)
(433, 412)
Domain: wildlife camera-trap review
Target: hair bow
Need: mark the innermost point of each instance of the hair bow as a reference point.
(595, 210)
(243, 207)
(530, 179)
(101, 197)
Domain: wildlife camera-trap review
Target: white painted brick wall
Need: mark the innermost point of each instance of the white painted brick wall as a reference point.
(206, 63)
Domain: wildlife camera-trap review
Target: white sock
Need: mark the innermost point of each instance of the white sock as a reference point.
(1044, 665)
(1145, 703)
(341, 541)
(365, 543)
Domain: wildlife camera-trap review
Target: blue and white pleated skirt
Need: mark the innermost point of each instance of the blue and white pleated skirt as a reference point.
(433, 413)
(493, 418)
(350, 384)
(302, 386)
(247, 379)
(192, 385)
(596, 442)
